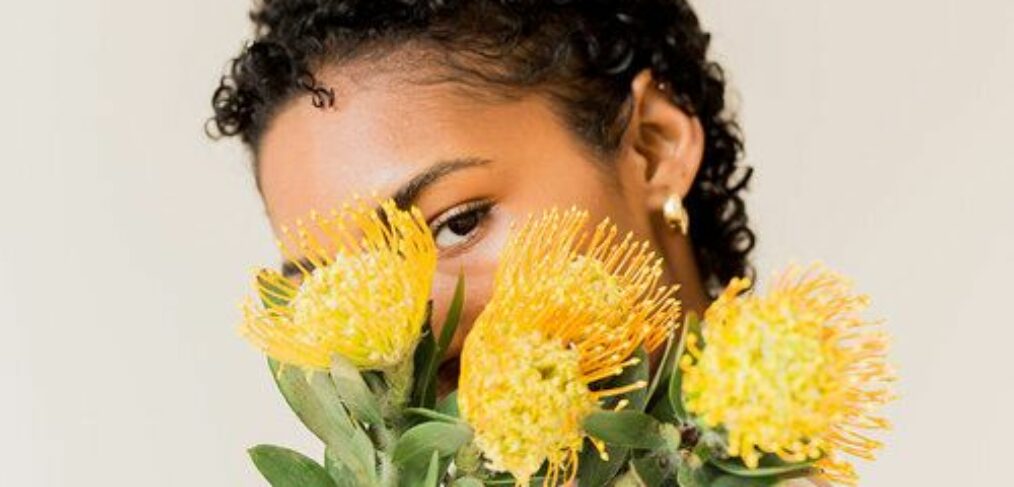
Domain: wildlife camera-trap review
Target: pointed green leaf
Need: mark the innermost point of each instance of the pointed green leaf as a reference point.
(662, 410)
(449, 405)
(414, 447)
(664, 366)
(596, 472)
(592, 469)
(467, 482)
(270, 294)
(693, 473)
(425, 351)
(638, 372)
(434, 415)
(631, 374)
(685, 477)
(506, 479)
(734, 481)
(425, 395)
(431, 472)
(770, 466)
(653, 470)
(283, 467)
(632, 429)
(316, 402)
(453, 317)
(339, 472)
(324, 417)
(691, 325)
(353, 391)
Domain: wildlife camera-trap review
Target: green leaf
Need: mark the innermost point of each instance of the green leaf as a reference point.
(596, 472)
(352, 389)
(414, 447)
(691, 325)
(425, 351)
(317, 404)
(685, 477)
(271, 295)
(434, 415)
(697, 471)
(694, 474)
(632, 429)
(453, 317)
(769, 466)
(339, 472)
(431, 472)
(734, 481)
(635, 373)
(283, 467)
(449, 405)
(325, 418)
(653, 470)
(467, 482)
(506, 479)
(592, 469)
(500, 479)
(664, 366)
(433, 353)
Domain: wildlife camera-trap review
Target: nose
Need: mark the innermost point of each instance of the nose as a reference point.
(476, 292)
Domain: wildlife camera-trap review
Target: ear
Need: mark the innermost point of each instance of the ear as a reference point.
(668, 143)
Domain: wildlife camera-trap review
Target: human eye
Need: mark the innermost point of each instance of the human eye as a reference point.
(458, 227)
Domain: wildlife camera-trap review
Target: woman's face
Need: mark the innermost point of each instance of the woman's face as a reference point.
(472, 165)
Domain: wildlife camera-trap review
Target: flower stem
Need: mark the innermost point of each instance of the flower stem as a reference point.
(393, 401)
(399, 383)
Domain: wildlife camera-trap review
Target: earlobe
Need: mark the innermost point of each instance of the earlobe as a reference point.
(670, 140)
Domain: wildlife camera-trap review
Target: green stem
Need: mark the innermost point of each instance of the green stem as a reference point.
(396, 394)
(399, 383)
(388, 472)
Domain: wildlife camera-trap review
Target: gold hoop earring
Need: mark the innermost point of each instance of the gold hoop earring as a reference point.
(675, 214)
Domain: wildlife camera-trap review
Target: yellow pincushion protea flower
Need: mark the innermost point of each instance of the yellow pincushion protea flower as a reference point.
(568, 309)
(795, 373)
(363, 295)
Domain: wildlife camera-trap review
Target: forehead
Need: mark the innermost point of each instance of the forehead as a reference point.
(382, 129)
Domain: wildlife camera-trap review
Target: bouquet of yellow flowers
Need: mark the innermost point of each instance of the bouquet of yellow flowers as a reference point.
(580, 368)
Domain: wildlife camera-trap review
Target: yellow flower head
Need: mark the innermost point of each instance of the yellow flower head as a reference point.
(365, 282)
(795, 373)
(568, 309)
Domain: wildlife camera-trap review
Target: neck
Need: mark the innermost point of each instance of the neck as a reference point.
(681, 269)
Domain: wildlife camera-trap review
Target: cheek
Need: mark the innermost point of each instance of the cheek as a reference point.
(478, 287)
(478, 266)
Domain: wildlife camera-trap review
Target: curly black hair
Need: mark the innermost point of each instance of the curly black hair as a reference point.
(583, 54)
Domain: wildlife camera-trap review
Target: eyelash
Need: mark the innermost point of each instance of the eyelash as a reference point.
(480, 208)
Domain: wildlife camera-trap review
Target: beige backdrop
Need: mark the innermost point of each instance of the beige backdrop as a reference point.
(879, 129)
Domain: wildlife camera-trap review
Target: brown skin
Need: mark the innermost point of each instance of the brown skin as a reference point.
(384, 129)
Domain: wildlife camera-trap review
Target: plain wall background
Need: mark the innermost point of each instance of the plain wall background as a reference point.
(880, 132)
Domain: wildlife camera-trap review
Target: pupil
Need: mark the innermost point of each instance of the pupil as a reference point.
(463, 224)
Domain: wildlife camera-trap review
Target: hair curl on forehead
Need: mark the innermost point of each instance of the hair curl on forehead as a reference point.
(581, 54)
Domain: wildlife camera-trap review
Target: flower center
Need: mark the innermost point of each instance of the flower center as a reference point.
(524, 387)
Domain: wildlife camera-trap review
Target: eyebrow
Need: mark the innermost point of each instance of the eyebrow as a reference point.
(406, 194)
